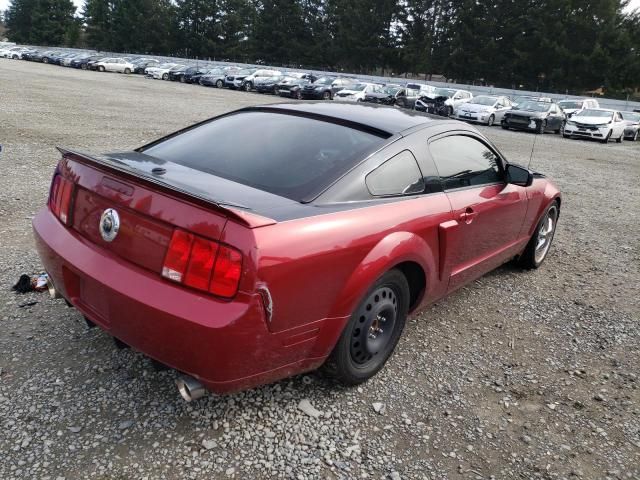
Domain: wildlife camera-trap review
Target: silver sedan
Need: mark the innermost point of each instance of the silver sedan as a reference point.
(487, 109)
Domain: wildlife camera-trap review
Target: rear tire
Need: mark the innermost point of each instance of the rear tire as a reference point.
(326, 95)
(504, 126)
(635, 137)
(247, 86)
(539, 245)
(101, 68)
(127, 71)
(165, 76)
(621, 138)
(219, 84)
(372, 333)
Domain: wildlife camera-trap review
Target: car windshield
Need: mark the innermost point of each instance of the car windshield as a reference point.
(486, 101)
(165, 65)
(570, 104)
(245, 72)
(594, 113)
(248, 148)
(215, 71)
(324, 81)
(358, 87)
(445, 92)
(391, 89)
(634, 117)
(531, 106)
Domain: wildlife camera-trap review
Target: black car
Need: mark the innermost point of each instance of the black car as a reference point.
(178, 75)
(82, 61)
(291, 87)
(142, 64)
(325, 87)
(387, 96)
(43, 56)
(59, 57)
(268, 84)
(537, 116)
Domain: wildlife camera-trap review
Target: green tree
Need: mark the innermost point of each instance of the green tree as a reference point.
(41, 22)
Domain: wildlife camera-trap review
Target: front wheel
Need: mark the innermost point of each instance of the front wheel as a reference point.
(538, 247)
(127, 71)
(326, 96)
(504, 126)
(621, 138)
(606, 139)
(298, 95)
(247, 86)
(372, 332)
(542, 126)
(560, 130)
(491, 120)
(635, 136)
(165, 76)
(219, 84)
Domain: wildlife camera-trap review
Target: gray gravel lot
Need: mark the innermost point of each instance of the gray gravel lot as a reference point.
(519, 375)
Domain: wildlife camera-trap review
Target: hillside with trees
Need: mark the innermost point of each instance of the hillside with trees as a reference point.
(553, 45)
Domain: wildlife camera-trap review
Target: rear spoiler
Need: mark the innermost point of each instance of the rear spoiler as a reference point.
(236, 212)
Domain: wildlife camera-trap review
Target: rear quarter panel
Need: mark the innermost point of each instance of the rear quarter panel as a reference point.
(319, 267)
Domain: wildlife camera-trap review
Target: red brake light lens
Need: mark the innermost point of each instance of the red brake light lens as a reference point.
(60, 198)
(203, 255)
(177, 258)
(226, 274)
(203, 264)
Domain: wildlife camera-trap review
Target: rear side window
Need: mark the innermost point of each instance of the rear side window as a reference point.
(287, 155)
(463, 161)
(399, 175)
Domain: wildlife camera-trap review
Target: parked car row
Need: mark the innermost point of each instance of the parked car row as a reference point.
(575, 118)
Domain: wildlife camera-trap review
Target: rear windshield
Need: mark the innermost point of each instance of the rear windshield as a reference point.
(287, 155)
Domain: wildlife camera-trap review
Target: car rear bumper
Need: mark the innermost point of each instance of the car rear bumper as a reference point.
(225, 345)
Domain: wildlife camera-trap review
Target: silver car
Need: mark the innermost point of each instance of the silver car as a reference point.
(485, 109)
(632, 130)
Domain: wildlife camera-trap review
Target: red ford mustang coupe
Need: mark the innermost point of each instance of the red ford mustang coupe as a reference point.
(273, 240)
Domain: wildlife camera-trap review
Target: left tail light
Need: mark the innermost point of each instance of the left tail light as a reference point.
(202, 264)
(60, 198)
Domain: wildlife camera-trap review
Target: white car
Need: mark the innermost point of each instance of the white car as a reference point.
(454, 98)
(119, 65)
(596, 123)
(571, 107)
(12, 52)
(161, 72)
(247, 83)
(485, 109)
(422, 88)
(357, 92)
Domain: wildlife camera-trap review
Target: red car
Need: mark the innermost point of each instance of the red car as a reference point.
(273, 240)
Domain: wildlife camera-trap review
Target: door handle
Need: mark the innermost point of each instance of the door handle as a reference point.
(468, 215)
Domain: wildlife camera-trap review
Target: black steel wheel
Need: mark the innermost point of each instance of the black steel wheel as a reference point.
(373, 331)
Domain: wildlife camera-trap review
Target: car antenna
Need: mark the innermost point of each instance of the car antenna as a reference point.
(533, 147)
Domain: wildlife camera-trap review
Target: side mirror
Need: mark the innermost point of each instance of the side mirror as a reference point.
(518, 175)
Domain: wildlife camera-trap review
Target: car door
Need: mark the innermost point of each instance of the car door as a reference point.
(502, 106)
(489, 212)
(618, 125)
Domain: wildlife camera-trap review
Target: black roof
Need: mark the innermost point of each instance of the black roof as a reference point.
(370, 116)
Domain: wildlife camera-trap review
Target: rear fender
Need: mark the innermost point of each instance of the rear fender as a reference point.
(392, 250)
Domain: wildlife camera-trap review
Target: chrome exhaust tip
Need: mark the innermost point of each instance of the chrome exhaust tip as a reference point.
(190, 388)
(53, 293)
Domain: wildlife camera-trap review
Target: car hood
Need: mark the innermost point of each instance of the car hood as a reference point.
(590, 120)
(475, 108)
(345, 92)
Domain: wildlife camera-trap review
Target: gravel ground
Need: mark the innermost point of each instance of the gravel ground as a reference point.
(519, 375)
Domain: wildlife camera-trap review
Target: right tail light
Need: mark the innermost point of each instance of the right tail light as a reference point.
(202, 264)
